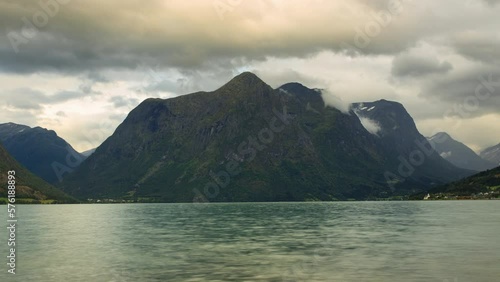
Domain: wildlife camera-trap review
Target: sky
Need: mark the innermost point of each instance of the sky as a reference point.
(78, 67)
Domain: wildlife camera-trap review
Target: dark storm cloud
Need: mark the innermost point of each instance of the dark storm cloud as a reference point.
(83, 36)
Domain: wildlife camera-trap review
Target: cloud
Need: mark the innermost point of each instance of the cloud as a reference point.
(119, 102)
(277, 78)
(189, 35)
(491, 2)
(32, 99)
(87, 36)
(63, 96)
(467, 93)
(87, 87)
(333, 100)
(414, 66)
(481, 46)
(97, 77)
(25, 99)
(370, 125)
(21, 116)
(170, 81)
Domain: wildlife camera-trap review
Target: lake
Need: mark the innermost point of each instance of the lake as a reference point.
(335, 241)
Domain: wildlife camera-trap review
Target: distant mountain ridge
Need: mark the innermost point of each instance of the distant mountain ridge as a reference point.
(458, 153)
(29, 187)
(40, 150)
(413, 158)
(249, 142)
(491, 154)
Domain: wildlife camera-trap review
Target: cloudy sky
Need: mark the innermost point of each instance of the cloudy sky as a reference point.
(79, 67)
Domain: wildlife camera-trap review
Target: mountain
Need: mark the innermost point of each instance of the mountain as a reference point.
(457, 153)
(491, 154)
(413, 158)
(242, 142)
(40, 150)
(29, 188)
(483, 182)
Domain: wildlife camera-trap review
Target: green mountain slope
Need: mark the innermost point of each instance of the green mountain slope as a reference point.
(40, 150)
(486, 181)
(29, 188)
(242, 142)
(170, 149)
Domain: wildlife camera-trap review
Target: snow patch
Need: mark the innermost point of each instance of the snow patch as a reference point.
(284, 91)
(445, 155)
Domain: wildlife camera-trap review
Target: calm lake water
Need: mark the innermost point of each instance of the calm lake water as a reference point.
(340, 241)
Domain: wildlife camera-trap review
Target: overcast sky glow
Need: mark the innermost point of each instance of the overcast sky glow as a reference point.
(78, 67)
